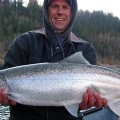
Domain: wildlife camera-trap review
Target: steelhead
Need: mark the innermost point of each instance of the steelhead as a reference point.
(60, 84)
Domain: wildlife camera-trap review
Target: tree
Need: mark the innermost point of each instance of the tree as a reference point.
(6, 8)
(35, 13)
(20, 7)
(1, 22)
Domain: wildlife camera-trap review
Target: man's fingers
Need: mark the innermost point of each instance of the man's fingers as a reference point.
(99, 100)
(1, 95)
(84, 102)
(5, 99)
(90, 98)
(104, 102)
(13, 102)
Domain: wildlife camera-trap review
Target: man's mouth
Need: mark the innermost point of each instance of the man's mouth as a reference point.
(60, 19)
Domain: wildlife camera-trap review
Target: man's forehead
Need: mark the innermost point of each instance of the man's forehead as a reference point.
(58, 1)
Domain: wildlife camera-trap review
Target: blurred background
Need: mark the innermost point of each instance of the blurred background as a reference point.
(98, 21)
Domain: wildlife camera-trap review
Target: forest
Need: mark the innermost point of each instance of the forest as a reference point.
(101, 29)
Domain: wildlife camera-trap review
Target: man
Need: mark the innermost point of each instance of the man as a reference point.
(50, 44)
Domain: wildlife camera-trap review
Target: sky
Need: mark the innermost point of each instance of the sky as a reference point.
(107, 6)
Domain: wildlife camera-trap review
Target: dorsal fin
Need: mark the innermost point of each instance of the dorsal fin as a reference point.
(76, 58)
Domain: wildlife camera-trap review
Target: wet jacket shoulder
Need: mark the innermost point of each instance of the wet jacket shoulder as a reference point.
(88, 51)
(26, 49)
(34, 47)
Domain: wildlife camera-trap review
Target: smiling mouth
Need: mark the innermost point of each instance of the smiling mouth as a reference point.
(60, 19)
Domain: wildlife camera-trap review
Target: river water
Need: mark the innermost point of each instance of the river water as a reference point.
(4, 112)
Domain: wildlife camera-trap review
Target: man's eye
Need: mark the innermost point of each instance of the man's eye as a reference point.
(66, 7)
(54, 6)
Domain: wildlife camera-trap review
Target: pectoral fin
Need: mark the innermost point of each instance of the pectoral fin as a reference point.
(75, 58)
(73, 109)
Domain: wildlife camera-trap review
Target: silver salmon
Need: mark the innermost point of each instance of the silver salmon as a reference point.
(60, 84)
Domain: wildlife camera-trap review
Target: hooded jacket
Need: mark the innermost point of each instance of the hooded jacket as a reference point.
(46, 45)
(56, 38)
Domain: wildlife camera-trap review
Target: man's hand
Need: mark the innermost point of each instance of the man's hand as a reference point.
(91, 98)
(4, 99)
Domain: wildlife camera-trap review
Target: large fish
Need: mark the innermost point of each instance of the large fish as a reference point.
(60, 84)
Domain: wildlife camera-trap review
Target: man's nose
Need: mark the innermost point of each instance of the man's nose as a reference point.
(60, 10)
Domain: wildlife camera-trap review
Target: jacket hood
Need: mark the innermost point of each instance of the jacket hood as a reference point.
(73, 4)
(51, 33)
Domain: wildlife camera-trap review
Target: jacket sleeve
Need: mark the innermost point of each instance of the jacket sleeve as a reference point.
(18, 53)
(90, 54)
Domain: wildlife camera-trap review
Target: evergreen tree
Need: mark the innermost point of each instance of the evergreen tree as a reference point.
(1, 22)
(102, 29)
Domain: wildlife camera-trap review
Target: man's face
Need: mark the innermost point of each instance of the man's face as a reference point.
(59, 14)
